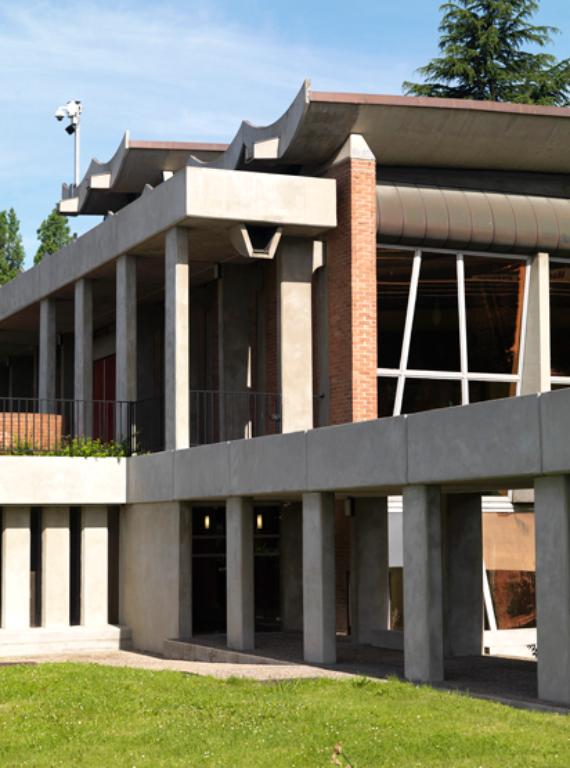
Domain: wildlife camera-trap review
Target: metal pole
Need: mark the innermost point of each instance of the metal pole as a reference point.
(76, 137)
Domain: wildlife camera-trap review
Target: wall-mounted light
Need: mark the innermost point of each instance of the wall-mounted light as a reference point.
(206, 522)
(259, 522)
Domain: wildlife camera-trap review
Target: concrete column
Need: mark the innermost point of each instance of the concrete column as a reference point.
(423, 584)
(83, 382)
(94, 566)
(536, 361)
(552, 510)
(370, 589)
(464, 575)
(291, 566)
(47, 357)
(177, 341)
(234, 350)
(185, 573)
(295, 335)
(126, 343)
(55, 566)
(16, 538)
(239, 569)
(319, 606)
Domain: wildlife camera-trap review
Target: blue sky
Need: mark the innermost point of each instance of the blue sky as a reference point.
(187, 71)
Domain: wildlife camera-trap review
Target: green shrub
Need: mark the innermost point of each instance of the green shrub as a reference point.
(86, 447)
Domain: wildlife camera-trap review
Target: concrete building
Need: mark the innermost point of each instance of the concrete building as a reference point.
(279, 331)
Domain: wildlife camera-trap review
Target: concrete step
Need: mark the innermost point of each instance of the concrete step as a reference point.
(36, 641)
(188, 650)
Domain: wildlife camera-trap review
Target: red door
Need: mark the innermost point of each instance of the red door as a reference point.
(104, 398)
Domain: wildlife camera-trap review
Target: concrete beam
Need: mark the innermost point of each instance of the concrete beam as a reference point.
(83, 381)
(177, 340)
(94, 566)
(295, 334)
(464, 575)
(370, 593)
(423, 584)
(552, 510)
(55, 566)
(239, 570)
(319, 606)
(47, 357)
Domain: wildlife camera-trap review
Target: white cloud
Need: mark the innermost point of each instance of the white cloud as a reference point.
(160, 71)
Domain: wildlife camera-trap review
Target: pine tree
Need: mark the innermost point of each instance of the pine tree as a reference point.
(53, 233)
(483, 56)
(11, 248)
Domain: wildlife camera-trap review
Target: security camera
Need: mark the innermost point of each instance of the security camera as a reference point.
(60, 114)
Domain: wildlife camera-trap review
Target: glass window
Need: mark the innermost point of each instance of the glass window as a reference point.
(490, 390)
(386, 396)
(435, 332)
(494, 292)
(423, 395)
(394, 269)
(560, 318)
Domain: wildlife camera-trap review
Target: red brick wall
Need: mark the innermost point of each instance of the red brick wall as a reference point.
(351, 270)
(38, 431)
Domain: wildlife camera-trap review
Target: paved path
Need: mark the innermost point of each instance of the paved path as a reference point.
(283, 671)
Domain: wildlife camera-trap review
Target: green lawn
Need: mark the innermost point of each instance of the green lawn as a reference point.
(87, 715)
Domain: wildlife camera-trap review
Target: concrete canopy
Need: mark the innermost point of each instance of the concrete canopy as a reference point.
(401, 131)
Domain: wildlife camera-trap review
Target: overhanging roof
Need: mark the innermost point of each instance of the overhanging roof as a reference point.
(110, 186)
(400, 131)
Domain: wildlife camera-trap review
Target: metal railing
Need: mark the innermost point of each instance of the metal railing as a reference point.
(40, 426)
(218, 416)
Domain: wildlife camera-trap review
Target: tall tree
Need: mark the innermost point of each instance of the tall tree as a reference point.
(484, 56)
(53, 233)
(11, 248)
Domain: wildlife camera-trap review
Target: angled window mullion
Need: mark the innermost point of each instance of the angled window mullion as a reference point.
(460, 271)
(524, 315)
(411, 308)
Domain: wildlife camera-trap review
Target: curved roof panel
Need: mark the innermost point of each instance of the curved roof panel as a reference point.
(400, 131)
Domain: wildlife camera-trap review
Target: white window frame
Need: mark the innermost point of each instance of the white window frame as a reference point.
(464, 375)
(563, 380)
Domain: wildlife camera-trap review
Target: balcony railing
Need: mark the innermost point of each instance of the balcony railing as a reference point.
(43, 426)
(214, 417)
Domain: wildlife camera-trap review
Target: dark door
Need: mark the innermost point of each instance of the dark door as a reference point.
(104, 398)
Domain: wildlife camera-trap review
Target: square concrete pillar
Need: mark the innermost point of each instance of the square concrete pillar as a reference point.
(55, 566)
(239, 570)
(177, 340)
(126, 344)
(47, 356)
(94, 566)
(423, 584)
(319, 606)
(16, 539)
(291, 568)
(370, 588)
(83, 381)
(185, 628)
(552, 510)
(295, 334)
(464, 575)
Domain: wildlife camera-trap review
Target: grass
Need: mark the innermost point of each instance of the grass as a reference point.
(88, 715)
